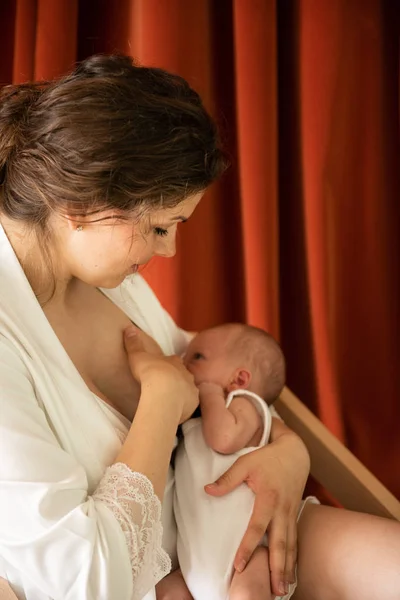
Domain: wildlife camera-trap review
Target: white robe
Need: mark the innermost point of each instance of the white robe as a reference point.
(68, 530)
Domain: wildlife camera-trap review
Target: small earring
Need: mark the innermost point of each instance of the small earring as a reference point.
(79, 228)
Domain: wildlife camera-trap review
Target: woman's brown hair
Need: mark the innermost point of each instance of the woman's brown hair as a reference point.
(110, 135)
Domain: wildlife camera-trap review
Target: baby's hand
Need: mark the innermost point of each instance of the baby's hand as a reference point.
(173, 587)
(207, 387)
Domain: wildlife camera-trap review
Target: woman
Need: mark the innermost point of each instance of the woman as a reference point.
(97, 170)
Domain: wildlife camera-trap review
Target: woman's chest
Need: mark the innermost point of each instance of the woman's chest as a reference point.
(92, 335)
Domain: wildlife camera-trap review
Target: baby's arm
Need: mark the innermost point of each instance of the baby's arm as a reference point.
(227, 430)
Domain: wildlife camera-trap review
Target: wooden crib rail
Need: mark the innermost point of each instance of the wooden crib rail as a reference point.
(334, 466)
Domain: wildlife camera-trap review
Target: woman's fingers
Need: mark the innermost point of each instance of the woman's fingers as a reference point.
(135, 348)
(132, 339)
(291, 551)
(138, 341)
(260, 517)
(263, 510)
(230, 480)
(277, 545)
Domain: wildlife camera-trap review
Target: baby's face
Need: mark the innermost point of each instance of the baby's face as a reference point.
(208, 358)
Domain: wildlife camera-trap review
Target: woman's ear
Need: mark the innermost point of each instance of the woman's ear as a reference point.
(240, 380)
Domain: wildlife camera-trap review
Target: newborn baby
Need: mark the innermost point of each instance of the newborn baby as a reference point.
(239, 370)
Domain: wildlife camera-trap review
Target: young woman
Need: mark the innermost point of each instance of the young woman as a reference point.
(97, 170)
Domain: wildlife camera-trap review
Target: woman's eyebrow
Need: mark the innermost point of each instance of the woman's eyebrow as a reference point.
(180, 218)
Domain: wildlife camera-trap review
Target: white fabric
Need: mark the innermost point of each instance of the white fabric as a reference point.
(210, 529)
(130, 497)
(65, 531)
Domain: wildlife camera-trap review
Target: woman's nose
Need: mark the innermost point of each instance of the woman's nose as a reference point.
(167, 248)
(170, 251)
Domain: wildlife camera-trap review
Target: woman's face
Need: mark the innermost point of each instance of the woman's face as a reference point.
(103, 254)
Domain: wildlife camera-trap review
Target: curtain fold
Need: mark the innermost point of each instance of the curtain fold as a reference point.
(302, 235)
(256, 124)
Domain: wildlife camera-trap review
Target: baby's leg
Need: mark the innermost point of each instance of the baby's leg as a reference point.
(173, 587)
(253, 583)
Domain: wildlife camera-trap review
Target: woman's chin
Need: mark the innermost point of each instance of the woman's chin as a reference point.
(111, 280)
(109, 283)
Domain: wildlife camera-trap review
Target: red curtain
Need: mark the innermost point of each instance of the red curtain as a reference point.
(302, 235)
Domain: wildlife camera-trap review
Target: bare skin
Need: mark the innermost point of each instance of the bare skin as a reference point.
(254, 581)
(90, 321)
(173, 587)
(345, 555)
(228, 429)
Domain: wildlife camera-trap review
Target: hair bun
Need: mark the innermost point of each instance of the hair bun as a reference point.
(15, 101)
(102, 65)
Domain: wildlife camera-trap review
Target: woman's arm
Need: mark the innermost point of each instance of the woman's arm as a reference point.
(111, 540)
(148, 446)
(168, 396)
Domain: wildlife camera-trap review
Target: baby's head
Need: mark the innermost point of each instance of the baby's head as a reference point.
(237, 356)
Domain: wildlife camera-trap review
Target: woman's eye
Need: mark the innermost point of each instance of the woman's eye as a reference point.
(198, 355)
(161, 232)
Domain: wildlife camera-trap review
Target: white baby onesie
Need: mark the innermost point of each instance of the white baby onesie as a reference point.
(210, 529)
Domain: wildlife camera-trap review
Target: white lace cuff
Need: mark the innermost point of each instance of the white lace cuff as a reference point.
(131, 498)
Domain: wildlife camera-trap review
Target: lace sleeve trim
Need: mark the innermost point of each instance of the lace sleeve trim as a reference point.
(130, 497)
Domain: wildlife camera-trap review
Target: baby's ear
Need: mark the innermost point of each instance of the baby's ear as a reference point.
(240, 380)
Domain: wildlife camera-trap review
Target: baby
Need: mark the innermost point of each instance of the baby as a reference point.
(239, 370)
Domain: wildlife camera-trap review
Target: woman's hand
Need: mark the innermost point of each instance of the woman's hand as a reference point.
(277, 474)
(166, 374)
